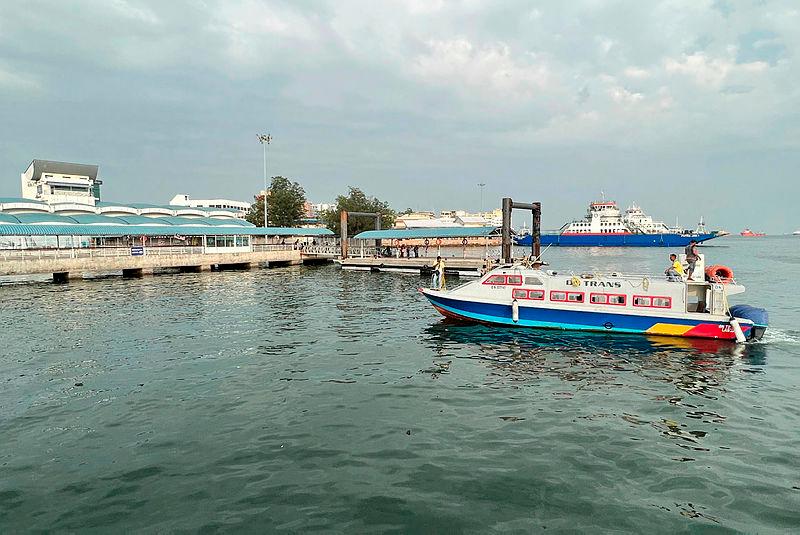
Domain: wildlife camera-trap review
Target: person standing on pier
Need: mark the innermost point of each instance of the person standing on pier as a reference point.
(416, 251)
(438, 273)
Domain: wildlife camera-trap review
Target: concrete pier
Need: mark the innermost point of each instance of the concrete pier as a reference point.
(469, 267)
(67, 264)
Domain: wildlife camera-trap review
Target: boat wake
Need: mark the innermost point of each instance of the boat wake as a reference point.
(780, 336)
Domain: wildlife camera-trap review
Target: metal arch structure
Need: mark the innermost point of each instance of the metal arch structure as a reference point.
(344, 215)
(536, 233)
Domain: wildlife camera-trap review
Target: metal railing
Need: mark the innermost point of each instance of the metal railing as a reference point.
(106, 252)
(272, 247)
(328, 250)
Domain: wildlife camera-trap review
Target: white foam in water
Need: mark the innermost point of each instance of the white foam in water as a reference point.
(779, 336)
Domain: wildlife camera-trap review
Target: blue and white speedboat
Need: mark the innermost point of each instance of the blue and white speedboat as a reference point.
(606, 226)
(516, 295)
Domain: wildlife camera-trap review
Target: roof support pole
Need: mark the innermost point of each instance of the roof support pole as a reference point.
(377, 227)
(343, 225)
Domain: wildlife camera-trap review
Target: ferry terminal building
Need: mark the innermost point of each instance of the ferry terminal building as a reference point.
(60, 208)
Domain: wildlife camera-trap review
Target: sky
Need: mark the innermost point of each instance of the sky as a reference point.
(687, 108)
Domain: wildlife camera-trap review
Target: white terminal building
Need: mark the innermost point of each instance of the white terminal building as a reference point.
(240, 207)
(61, 182)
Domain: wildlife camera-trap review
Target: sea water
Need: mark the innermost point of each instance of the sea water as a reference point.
(308, 398)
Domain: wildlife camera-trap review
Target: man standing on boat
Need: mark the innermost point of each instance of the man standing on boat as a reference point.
(691, 258)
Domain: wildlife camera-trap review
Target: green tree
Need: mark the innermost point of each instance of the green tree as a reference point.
(357, 201)
(285, 204)
(256, 213)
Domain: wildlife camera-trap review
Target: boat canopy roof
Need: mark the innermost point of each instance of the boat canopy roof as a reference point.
(433, 232)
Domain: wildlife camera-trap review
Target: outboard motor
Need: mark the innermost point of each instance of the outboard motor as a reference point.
(758, 316)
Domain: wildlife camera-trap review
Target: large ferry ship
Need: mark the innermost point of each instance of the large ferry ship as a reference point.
(606, 226)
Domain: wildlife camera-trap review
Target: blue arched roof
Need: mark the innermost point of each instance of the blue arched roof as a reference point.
(141, 220)
(94, 219)
(45, 218)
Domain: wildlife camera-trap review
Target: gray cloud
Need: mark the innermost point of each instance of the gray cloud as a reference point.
(413, 100)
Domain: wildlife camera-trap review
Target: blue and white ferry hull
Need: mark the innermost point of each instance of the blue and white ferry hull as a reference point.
(616, 240)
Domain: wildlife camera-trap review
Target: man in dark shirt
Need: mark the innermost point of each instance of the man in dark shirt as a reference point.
(691, 258)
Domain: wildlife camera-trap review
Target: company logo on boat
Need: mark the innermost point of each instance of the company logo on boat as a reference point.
(597, 284)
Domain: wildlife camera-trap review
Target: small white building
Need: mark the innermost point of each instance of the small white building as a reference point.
(450, 218)
(61, 182)
(241, 207)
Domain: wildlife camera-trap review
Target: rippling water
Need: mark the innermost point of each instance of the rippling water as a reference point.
(311, 399)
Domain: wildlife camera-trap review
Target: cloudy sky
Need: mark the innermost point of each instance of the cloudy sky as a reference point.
(687, 107)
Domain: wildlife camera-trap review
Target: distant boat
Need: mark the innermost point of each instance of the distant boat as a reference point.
(750, 234)
(796, 233)
(606, 226)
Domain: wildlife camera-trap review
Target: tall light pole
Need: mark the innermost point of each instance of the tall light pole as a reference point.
(265, 140)
(481, 185)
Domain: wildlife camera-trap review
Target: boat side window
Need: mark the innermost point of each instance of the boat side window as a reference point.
(496, 279)
(616, 299)
(607, 299)
(571, 297)
(532, 281)
(662, 302)
(514, 280)
(519, 293)
(652, 302)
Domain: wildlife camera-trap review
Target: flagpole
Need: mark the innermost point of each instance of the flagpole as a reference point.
(265, 140)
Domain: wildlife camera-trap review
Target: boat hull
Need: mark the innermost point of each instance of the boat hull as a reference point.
(615, 240)
(583, 320)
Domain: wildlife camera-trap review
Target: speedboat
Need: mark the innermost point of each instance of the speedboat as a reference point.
(524, 295)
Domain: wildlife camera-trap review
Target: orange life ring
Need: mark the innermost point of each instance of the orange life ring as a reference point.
(719, 273)
(464, 241)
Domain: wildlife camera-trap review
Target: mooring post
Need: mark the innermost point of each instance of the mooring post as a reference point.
(506, 230)
(343, 225)
(536, 224)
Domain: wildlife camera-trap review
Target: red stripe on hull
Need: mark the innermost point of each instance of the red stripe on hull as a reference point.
(457, 317)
